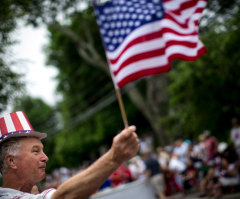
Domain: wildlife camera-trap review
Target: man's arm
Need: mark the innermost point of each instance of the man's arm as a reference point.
(125, 146)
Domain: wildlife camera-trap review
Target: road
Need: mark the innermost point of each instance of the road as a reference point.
(195, 196)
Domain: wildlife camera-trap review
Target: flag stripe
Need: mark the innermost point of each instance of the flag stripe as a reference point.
(146, 72)
(3, 127)
(17, 124)
(24, 121)
(9, 123)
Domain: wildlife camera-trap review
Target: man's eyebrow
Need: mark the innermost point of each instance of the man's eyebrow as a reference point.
(37, 146)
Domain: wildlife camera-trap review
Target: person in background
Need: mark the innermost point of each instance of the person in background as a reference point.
(121, 176)
(137, 168)
(154, 174)
(235, 135)
(163, 157)
(210, 145)
(23, 162)
(181, 149)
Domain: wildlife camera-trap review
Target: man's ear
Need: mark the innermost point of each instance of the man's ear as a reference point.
(11, 161)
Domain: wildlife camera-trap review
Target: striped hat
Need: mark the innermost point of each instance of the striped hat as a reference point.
(17, 125)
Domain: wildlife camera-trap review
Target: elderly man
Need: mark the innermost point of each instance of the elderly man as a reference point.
(23, 162)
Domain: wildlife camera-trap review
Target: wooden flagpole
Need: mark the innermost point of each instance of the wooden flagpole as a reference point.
(122, 109)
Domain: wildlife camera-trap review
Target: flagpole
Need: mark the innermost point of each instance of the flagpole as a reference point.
(122, 109)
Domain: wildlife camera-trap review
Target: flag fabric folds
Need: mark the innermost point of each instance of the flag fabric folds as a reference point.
(142, 37)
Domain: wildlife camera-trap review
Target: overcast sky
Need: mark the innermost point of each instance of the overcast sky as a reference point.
(29, 51)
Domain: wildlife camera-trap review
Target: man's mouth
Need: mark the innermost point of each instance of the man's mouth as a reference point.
(42, 167)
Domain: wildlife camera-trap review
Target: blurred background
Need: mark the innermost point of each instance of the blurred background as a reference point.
(66, 90)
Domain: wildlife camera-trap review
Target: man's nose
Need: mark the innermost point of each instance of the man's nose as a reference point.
(44, 157)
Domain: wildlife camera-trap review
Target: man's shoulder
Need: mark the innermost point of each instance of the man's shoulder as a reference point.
(7, 193)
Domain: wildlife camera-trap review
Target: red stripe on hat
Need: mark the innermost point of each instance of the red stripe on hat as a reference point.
(28, 121)
(3, 126)
(16, 122)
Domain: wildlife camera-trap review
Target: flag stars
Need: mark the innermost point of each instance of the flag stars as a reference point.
(137, 23)
(131, 9)
(116, 33)
(159, 14)
(114, 40)
(150, 5)
(121, 17)
(124, 8)
(134, 16)
(120, 39)
(112, 25)
(110, 33)
(119, 24)
(127, 16)
(111, 47)
(124, 23)
(148, 17)
(139, 10)
(106, 39)
(129, 3)
(130, 23)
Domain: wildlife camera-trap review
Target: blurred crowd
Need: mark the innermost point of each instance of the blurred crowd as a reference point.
(205, 165)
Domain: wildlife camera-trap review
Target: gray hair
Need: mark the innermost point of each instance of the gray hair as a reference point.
(8, 147)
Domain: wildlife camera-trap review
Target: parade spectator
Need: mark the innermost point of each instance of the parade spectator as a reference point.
(210, 145)
(121, 176)
(163, 157)
(137, 168)
(221, 175)
(181, 149)
(154, 174)
(146, 143)
(190, 178)
(176, 166)
(235, 135)
(202, 153)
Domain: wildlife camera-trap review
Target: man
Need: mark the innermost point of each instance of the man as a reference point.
(154, 174)
(23, 162)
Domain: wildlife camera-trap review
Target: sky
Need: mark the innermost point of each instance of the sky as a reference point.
(30, 57)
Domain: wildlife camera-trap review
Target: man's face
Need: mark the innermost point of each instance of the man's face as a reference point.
(31, 160)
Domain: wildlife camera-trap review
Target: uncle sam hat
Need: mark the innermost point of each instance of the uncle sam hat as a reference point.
(17, 125)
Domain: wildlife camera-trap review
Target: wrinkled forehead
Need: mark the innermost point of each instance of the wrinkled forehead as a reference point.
(29, 142)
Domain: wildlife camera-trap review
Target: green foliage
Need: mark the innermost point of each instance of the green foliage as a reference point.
(9, 85)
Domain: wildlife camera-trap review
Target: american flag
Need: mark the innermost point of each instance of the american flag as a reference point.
(142, 37)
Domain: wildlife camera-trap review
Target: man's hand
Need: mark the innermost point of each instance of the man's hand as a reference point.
(125, 145)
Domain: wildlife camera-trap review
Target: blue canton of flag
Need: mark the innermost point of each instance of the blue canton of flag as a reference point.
(119, 18)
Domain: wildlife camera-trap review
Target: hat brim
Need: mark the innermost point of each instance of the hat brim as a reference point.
(24, 134)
